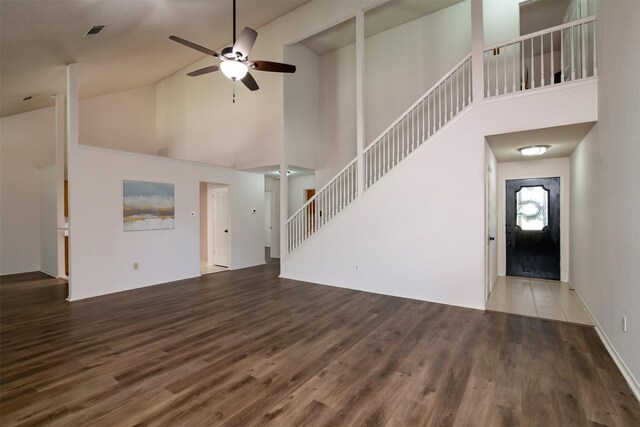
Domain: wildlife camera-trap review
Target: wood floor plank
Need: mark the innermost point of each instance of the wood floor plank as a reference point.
(244, 348)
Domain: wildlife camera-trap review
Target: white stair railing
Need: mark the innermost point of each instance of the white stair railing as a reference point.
(448, 97)
(323, 206)
(565, 53)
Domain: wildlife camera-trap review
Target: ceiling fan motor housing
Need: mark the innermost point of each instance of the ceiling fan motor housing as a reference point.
(227, 52)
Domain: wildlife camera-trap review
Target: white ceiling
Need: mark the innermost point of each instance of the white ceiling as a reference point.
(382, 18)
(562, 139)
(39, 37)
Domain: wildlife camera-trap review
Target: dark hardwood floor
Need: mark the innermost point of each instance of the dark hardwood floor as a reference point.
(246, 348)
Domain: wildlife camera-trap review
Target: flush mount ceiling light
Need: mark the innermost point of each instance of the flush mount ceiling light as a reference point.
(533, 150)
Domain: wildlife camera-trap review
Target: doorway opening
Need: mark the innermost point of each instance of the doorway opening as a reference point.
(214, 228)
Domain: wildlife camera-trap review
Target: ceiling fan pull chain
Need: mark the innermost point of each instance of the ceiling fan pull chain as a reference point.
(234, 91)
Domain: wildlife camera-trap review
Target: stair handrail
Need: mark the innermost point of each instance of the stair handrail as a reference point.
(422, 98)
(331, 181)
(540, 33)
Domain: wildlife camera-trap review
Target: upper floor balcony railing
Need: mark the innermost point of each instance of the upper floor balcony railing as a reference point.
(565, 53)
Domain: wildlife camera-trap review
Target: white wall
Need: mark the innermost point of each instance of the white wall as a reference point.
(605, 248)
(102, 254)
(397, 73)
(501, 20)
(302, 116)
(27, 144)
(338, 110)
(571, 104)
(537, 169)
(273, 185)
(48, 221)
(123, 120)
(412, 234)
(404, 62)
(297, 186)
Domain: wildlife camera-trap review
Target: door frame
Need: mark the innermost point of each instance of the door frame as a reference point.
(488, 253)
(564, 219)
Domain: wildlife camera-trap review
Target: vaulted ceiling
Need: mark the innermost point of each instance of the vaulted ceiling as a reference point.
(39, 37)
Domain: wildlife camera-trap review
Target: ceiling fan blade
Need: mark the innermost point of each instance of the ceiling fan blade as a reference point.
(275, 67)
(245, 42)
(250, 82)
(204, 70)
(194, 46)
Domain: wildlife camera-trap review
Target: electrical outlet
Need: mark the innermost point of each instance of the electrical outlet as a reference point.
(624, 324)
(136, 265)
(357, 266)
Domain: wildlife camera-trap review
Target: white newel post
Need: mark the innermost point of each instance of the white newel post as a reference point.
(477, 48)
(360, 130)
(72, 146)
(60, 162)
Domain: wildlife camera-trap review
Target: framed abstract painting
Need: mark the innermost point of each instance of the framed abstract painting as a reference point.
(148, 206)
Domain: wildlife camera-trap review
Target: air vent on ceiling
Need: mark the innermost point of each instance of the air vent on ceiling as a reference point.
(94, 31)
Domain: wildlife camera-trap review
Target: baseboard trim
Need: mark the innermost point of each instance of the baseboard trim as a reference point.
(389, 294)
(624, 370)
(48, 273)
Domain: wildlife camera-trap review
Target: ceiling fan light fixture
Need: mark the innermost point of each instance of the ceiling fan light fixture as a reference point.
(533, 150)
(234, 70)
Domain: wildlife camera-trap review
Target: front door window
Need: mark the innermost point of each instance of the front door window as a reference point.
(532, 208)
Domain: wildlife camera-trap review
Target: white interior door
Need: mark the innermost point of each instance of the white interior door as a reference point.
(220, 227)
(210, 226)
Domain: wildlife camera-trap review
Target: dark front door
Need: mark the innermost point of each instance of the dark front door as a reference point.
(533, 228)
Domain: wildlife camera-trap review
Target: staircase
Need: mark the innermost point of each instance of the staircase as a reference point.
(450, 96)
(511, 68)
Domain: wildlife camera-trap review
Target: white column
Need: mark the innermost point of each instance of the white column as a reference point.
(360, 129)
(284, 207)
(60, 166)
(477, 46)
(72, 146)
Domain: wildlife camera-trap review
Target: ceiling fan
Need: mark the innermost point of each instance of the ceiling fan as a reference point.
(235, 59)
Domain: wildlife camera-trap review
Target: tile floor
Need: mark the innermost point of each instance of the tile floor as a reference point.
(208, 269)
(546, 299)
